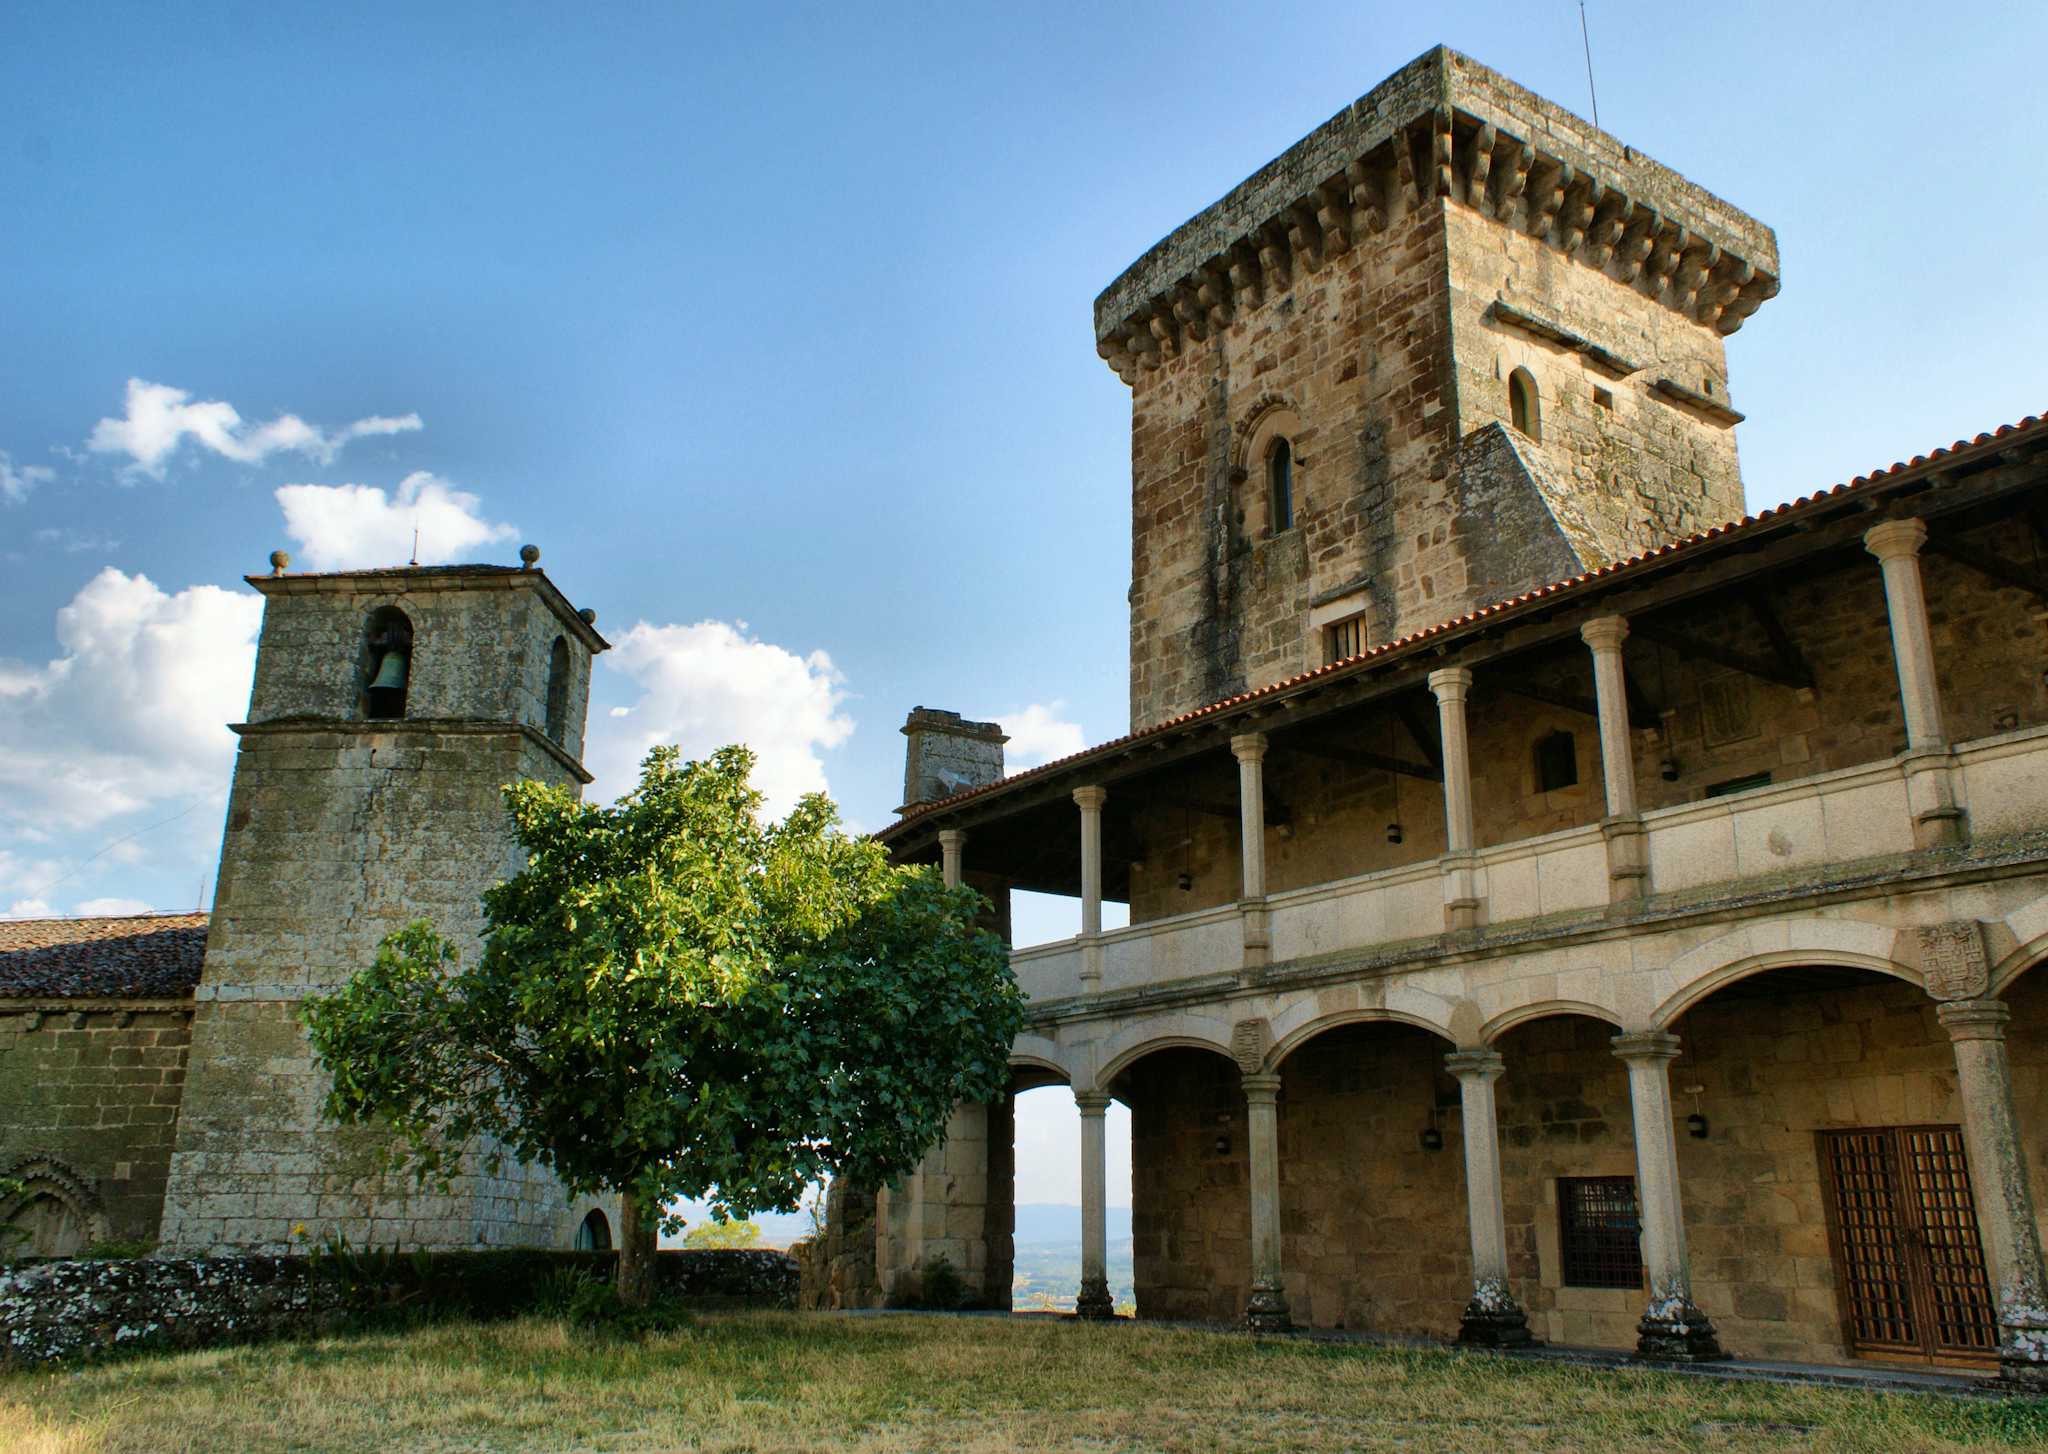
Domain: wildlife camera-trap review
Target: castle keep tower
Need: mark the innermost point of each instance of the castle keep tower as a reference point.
(1454, 344)
(389, 708)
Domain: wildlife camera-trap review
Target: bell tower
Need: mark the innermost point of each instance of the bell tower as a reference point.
(389, 708)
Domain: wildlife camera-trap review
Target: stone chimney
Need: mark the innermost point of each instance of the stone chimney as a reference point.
(948, 755)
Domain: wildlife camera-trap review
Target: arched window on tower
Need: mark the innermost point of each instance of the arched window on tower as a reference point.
(386, 669)
(1280, 485)
(1525, 407)
(558, 691)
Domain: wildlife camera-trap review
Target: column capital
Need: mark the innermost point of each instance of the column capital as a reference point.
(1605, 633)
(1263, 1088)
(1974, 1019)
(1248, 746)
(954, 838)
(1450, 683)
(1092, 1103)
(1475, 1065)
(1895, 539)
(1090, 800)
(1645, 1046)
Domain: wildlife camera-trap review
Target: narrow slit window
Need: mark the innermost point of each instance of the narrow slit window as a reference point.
(1280, 485)
(558, 690)
(1599, 1231)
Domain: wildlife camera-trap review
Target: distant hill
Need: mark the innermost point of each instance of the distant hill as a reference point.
(1060, 1224)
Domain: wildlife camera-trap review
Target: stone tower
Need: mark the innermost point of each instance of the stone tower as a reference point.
(1454, 344)
(389, 708)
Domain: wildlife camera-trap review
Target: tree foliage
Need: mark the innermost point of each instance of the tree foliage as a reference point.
(677, 999)
(714, 1233)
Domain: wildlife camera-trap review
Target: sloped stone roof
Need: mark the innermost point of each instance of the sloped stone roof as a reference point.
(141, 956)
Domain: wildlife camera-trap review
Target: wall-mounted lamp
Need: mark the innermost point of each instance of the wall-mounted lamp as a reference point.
(1696, 1126)
(1183, 880)
(1222, 1145)
(1432, 1139)
(1393, 832)
(1668, 769)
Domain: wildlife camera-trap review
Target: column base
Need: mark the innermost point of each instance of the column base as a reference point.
(1674, 1331)
(1094, 1303)
(2023, 1354)
(1494, 1320)
(1265, 1311)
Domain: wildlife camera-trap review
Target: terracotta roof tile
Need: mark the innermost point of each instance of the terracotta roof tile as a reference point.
(144, 956)
(2031, 424)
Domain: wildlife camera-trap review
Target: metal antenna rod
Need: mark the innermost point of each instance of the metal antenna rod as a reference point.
(1587, 41)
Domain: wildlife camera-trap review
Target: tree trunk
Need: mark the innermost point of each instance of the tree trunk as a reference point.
(637, 1243)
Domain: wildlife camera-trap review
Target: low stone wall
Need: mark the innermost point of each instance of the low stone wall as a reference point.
(60, 1311)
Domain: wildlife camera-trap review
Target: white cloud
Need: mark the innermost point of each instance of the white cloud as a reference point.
(160, 418)
(341, 527)
(29, 909)
(17, 480)
(73, 542)
(131, 713)
(112, 906)
(706, 685)
(1038, 733)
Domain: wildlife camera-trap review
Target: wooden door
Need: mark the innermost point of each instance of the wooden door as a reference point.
(1902, 1225)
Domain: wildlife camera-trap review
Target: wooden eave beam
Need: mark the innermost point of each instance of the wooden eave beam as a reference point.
(1989, 566)
(1359, 757)
(1762, 668)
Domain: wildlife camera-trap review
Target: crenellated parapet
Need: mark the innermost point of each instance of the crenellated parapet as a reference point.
(1444, 127)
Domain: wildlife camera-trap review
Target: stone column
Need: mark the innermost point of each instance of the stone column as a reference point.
(951, 842)
(1936, 818)
(1094, 1300)
(1265, 1311)
(1249, 749)
(1090, 801)
(1628, 871)
(1492, 1318)
(1896, 544)
(1672, 1327)
(1999, 1182)
(1460, 861)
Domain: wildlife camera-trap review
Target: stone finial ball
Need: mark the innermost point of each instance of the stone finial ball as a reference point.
(529, 555)
(589, 616)
(279, 559)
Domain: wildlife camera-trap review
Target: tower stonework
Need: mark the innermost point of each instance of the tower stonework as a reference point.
(367, 794)
(1487, 338)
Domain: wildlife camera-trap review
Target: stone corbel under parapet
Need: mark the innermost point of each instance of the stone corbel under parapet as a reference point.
(1467, 159)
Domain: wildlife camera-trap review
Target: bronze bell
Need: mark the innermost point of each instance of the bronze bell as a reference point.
(387, 688)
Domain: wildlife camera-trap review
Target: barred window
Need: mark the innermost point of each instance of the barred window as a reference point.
(1343, 639)
(1599, 1231)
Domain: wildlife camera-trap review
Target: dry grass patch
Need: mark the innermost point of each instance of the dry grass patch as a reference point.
(777, 1382)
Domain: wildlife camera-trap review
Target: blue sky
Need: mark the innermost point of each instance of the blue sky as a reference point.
(771, 327)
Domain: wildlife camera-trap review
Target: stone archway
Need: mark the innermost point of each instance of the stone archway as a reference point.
(51, 1211)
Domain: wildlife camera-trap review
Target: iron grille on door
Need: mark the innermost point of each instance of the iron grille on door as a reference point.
(1903, 1228)
(1599, 1231)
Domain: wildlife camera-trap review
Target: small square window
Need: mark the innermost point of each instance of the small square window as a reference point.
(1343, 639)
(1599, 1231)
(1603, 398)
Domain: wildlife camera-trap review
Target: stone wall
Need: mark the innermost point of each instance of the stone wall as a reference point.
(1374, 1223)
(337, 837)
(68, 1311)
(89, 1093)
(1990, 647)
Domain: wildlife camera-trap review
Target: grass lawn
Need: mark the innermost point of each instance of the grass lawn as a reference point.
(766, 1381)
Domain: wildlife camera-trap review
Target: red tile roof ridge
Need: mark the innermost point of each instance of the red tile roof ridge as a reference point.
(913, 813)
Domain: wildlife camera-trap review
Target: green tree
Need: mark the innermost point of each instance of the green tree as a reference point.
(715, 1233)
(677, 999)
